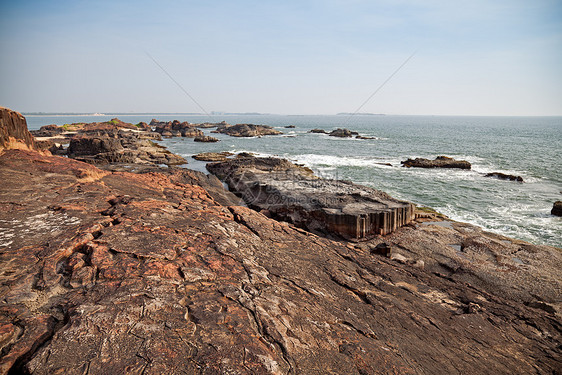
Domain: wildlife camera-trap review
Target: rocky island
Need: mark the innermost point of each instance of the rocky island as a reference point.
(164, 271)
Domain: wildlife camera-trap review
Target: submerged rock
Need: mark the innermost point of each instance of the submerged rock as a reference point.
(557, 208)
(503, 176)
(439, 162)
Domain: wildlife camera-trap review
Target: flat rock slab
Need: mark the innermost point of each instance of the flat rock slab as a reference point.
(294, 194)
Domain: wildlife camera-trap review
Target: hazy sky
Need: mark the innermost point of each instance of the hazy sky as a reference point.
(479, 57)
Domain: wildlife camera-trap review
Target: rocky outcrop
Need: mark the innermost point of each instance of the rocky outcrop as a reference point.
(342, 133)
(106, 143)
(176, 129)
(363, 137)
(292, 193)
(13, 131)
(557, 208)
(105, 273)
(246, 130)
(212, 156)
(205, 138)
(318, 131)
(503, 176)
(439, 162)
(290, 127)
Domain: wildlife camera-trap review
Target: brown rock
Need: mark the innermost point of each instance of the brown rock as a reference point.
(342, 133)
(13, 131)
(147, 273)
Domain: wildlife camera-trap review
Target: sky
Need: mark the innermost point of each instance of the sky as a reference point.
(479, 57)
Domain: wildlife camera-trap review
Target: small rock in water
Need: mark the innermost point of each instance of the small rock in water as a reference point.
(503, 176)
(557, 208)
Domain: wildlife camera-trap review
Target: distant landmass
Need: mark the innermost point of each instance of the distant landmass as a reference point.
(360, 114)
(138, 113)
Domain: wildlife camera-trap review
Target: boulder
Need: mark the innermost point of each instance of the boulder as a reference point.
(342, 133)
(84, 145)
(557, 208)
(503, 176)
(191, 132)
(205, 138)
(439, 162)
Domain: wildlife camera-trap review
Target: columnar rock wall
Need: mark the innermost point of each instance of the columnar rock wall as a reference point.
(13, 131)
(294, 194)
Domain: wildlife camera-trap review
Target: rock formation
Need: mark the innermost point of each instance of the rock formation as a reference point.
(13, 131)
(503, 176)
(176, 129)
(318, 131)
(557, 208)
(205, 138)
(439, 162)
(342, 133)
(294, 194)
(212, 156)
(246, 130)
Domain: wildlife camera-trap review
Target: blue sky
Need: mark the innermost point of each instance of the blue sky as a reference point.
(289, 57)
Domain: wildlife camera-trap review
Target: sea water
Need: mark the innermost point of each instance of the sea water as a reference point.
(529, 147)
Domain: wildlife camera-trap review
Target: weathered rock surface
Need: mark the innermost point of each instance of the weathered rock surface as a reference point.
(292, 193)
(246, 130)
(212, 156)
(342, 133)
(13, 131)
(143, 273)
(557, 208)
(205, 138)
(439, 162)
(503, 176)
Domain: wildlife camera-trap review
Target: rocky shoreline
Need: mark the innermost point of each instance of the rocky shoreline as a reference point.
(163, 271)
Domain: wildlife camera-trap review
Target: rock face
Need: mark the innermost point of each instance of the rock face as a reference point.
(342, 133)
(557, 208)
(147, 273)
(205, 138)
(439, 162)
(294, 194)
(503, 176)
(246, 130)
(13, 131)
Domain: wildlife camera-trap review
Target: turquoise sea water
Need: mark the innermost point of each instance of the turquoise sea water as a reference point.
(529, 147)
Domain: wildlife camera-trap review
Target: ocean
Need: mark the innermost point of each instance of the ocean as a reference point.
(529, 147)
